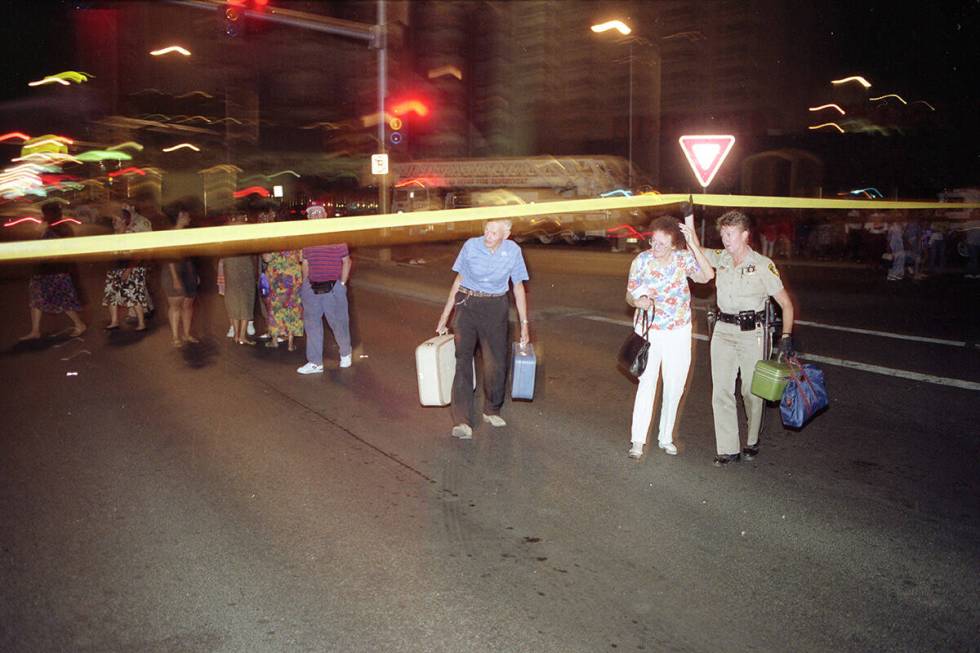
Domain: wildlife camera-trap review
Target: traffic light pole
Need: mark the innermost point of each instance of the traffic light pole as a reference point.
(375, 35)
(382, 45)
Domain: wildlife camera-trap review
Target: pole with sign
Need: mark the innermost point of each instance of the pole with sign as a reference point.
(705, 154)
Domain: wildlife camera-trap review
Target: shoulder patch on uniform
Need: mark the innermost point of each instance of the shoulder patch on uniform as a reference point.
(772, 268)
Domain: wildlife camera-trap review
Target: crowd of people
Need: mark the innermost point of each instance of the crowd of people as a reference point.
(912, 245)
(292, 290)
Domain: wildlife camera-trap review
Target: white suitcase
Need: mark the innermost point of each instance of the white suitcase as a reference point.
(435, 366)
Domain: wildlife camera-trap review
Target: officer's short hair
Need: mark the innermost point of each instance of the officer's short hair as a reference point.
(734, 219)
(503, 222)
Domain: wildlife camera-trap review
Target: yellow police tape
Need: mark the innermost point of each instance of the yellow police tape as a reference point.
(403, 228)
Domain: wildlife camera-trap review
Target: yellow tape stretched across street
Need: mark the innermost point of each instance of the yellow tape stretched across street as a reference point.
(397, 228)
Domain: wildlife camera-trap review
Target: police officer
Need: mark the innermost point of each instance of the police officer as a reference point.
(744, 280)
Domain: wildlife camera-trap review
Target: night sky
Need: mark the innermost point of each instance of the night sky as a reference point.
(921, 51)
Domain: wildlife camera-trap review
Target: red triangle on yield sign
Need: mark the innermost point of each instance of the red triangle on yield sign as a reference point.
(705, 154)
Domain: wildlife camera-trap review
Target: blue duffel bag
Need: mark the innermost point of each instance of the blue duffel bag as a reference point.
(805, 394)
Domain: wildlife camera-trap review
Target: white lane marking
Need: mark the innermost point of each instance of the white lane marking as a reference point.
(887, 371)
(840, 362)
(869, 332)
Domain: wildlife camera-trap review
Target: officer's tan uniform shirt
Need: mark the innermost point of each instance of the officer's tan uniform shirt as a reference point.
(746, 287)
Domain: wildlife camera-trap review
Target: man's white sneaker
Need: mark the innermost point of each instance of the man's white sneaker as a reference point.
(250, 329)
(310, 368)
(463, 432)
(669, 448)
(345, 361)
(494, 420)
(636, 450)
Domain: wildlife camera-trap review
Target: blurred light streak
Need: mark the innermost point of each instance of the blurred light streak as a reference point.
(251, 190)
(47, 157)
(406, 106)
(221, 167)
(63, 78)
(63, 220)
(48, 80)
(127, 171)
(931, 108)
(617, 25)
(201, 93)
(13, 222)
(9, 135)
(197, 117)
(177, 147)
(882, 97)
(325, 125)
(629, 231)
(870, 192)
(829, 106)
(168, 50)
(619, 192)
(30, 145)
(133, 145)
(442, 71)
(284, 172)
(103, 155)
(827, 124)
(853, 78)
(410, 182)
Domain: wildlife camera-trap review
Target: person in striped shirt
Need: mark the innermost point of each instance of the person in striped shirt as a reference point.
(326, 269)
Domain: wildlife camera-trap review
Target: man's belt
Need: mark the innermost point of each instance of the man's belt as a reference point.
(477, 293)
(746, 320)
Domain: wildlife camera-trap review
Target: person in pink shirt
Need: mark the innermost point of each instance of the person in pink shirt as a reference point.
(658, 290)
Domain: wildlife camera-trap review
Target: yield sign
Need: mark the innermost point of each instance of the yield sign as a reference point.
(706, 154)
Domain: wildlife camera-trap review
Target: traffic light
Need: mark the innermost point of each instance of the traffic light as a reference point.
(234, 15)
(403, 111)
(396, 136)
(235, 18)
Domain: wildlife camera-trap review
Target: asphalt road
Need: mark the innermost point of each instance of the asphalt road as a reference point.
(211, 499)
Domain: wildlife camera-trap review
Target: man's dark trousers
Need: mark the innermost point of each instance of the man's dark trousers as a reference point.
(483, 319)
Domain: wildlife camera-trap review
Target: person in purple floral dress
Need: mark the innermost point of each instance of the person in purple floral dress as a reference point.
(51, 287)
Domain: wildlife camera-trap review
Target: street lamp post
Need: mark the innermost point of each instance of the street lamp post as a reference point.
(625, 30)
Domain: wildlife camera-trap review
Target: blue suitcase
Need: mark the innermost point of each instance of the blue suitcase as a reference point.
(525, 364)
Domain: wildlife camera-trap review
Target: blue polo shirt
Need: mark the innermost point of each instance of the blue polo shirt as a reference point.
(486, 271)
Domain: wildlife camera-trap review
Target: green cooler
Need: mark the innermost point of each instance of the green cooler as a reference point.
(770, 379)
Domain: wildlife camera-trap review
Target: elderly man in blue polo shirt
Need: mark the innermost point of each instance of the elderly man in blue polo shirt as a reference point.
(479, 297)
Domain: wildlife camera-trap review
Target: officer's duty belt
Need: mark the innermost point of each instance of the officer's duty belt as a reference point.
(744, 317)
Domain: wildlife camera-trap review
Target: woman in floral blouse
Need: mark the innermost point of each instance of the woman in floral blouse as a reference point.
(658, 290)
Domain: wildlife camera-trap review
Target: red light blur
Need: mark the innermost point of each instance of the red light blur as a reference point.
(11, 223)
(405, 106)
(256, 190)
(127, 171)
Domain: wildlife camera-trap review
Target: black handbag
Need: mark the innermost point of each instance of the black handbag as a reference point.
(633, 354)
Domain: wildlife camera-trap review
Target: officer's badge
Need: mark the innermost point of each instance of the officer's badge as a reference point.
(750, 269)
(772, 268)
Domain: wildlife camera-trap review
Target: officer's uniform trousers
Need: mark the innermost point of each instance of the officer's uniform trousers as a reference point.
(734, 351)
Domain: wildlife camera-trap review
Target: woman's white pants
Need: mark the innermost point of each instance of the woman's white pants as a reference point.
(670, 351)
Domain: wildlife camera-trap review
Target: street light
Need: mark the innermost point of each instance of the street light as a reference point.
(625, 30)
